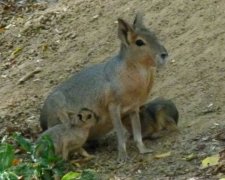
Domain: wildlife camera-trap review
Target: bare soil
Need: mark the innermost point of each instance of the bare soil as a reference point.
(61, 38)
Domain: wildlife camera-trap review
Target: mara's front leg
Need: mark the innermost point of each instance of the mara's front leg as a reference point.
(114, 111)
(136, 127)
(65, 151)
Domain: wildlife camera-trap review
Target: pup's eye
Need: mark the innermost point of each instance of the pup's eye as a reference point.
(89, 116)
(139, 42)
(79, 117)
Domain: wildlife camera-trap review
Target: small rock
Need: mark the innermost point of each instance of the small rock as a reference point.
(47, 1)
(173, 61)
(39, 60)
(9, 26)
(95, 17)
(71, 35)
(139, 171)
(36, 80)
(205, 138)
(193, 178)
(4, 76)
(210, 105)
(58, 31)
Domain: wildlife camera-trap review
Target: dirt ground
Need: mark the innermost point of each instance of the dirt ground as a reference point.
(63, 37)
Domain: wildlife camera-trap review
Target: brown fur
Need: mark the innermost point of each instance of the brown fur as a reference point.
(112, 89)
(155, 116)
(69, 139)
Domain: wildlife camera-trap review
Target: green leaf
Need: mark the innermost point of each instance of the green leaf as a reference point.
(4, 139)
(60, 166)
(6, 156)
(190, 157)
(24, 143)
(25, 170)
(7, 175)
(46, 174)
(16, 52)
(89, 174)
(210, 161)
(44, 151)
(71, 176)
(164, 155)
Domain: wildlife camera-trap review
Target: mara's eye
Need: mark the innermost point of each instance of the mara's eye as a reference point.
(79, 117)
(89, 116)
(139, 42)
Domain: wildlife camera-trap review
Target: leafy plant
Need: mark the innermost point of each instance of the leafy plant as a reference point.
(24, 143)
(44, 150)
(87, 174)
(7, 155)
(71, 176)
(41, 162)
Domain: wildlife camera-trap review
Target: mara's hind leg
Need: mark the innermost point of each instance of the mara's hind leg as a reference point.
(85, 154)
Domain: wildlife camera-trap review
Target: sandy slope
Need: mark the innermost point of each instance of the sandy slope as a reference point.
(70, 34)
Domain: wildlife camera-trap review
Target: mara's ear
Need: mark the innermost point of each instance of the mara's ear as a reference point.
(138, 21)
(171, 124)
(125, 32)
(96, 117)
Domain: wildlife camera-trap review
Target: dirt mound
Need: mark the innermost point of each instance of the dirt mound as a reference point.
(60, 38)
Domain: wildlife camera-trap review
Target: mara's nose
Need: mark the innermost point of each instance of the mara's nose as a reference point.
(164, 55)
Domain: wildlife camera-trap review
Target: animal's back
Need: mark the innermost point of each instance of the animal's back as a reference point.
(75, 137)
(55, 133)
(168, 105)
(73, 94)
